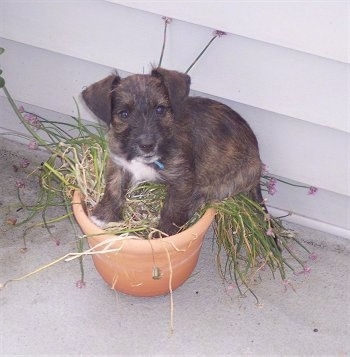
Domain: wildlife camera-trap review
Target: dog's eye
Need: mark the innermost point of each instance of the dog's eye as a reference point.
(123, 114)
(160, 110)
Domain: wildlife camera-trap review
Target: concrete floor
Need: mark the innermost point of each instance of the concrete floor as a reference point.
(47, 314)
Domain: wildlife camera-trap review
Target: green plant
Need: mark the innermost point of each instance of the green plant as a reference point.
(77, 158)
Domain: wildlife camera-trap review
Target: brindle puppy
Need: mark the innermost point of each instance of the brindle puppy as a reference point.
(200, 148)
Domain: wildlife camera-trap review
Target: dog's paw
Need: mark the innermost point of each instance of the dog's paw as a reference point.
(168, 228)
(99, 223)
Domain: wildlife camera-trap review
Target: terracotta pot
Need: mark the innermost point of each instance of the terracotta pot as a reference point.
(144, 267)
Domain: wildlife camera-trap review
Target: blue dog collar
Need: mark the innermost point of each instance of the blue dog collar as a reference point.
(158, 165)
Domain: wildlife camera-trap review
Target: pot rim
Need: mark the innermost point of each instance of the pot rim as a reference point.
(98, 235)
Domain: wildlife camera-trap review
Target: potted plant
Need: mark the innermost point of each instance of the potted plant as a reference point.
(143, 267)
(149, 267)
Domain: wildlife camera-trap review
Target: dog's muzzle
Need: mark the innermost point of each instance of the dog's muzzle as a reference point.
(147, 148)
(146, 145)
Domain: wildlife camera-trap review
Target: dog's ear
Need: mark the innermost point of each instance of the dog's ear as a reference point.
(177, 84)
(98, 97)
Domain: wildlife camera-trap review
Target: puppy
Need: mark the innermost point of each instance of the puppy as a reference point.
(200, 148)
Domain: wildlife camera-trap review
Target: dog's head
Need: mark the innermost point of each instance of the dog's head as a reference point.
(140, 111)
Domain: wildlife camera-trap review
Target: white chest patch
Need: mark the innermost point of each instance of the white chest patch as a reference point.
(139, 171)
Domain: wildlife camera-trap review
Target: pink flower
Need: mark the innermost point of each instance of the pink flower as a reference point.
(230, 287)
(312, 190)
(264, 169)
(32, 119)
(286, 283)
(24, 163)
(219, 33)
(21, 109)
(313, 256)
(20, 184)
(33, 145)
(80, 284)
(306, 270)
(270, 233)
(167, 20)
(271, 186)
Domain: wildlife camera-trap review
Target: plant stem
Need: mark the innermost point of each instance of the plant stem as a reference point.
(164, 41)
(200, 55)
(285, 182)
(19, 115)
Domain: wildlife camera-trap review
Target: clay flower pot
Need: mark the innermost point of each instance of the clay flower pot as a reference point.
(144, 267)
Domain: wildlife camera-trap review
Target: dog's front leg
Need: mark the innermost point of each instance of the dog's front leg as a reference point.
(176, 211)
(109, 209)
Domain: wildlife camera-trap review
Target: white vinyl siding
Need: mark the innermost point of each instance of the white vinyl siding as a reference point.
(283, 65)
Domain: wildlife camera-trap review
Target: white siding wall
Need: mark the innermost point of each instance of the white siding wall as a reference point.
(283, 66)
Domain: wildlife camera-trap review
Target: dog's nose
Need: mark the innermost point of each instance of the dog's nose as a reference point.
(146, 145)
